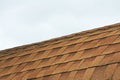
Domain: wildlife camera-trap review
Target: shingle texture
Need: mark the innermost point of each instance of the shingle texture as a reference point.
(88, 55)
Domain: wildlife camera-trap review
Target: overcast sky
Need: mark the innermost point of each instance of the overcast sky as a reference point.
(29, 21)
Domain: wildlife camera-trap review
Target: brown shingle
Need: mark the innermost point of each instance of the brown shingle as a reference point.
(10, 77)
(5, 71)
(89, 44)
(58, 44)
(43, 62)
(64, 76)
(117, 40)
(79, 75)
(87, 63)
(98, 73)
(70, 48)
(6, 77)
(7, 62)
(116, 57)
(109, 71)
(116, 75)
(55, 77)
(70, 56)
(31, 65)
(50, 61)
(82, 39)
(106, 59)
(75, 65)
(38, 55)
(41, 71)
(59, 68)
(51, 69)
(71, 75)
(54, 52)
(19, 76)
(77, 55)
(46, 78)
(107, 40)
(96, 36)
(97, 60)
(62, 58)
(22, 59)
(88, 73)
(7, 56)
(32, 73)
(93, 52)
(112, 48)
(57, 59)
(88, 55)
(19, 67)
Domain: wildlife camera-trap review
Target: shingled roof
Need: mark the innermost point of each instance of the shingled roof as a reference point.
(87, 55)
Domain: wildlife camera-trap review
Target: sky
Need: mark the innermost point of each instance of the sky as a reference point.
(29, 21)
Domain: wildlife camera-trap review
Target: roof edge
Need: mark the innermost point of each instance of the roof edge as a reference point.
(42, 43)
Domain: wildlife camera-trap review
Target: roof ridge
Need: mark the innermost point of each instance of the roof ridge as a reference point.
(19, 48)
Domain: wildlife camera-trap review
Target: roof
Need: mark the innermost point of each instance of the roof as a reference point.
(88, 55)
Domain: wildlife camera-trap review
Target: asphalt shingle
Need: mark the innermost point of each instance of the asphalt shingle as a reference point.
(88, 55)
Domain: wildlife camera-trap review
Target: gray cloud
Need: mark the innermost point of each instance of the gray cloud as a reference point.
(28, 21)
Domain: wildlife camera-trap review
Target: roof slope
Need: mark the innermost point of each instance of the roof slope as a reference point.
(88, 55)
